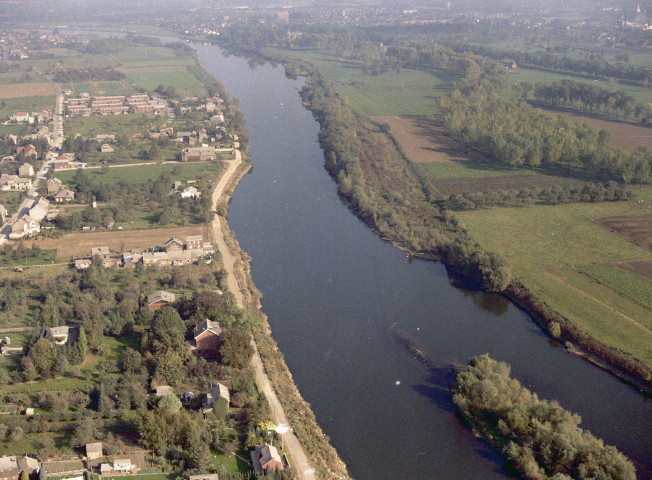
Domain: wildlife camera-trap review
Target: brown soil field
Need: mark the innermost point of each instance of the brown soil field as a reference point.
(423, 140)
(640, 267)
(636, 229)
(503, 182)
(17, 90)
(623, 135)
(80, 244)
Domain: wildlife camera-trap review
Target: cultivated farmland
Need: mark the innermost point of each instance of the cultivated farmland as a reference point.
(636, 229)
(80, 244)
(20, 90)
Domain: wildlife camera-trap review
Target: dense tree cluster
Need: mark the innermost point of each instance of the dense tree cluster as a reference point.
(583, 97)
(89, 74)
(514, 134)
(542, 440)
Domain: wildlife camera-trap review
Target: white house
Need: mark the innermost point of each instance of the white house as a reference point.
(26, 170)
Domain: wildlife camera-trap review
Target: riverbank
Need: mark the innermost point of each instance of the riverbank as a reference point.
(272, 374)
(401, 210)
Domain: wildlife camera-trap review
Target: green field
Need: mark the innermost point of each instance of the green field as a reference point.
(447, 171)
(127, 124)
(641, 94)
(121, 87)
(550, 246)
(9, 106)
(627, 283)
(140, 174)
(184, 83)
(410, 92)
(10, 200)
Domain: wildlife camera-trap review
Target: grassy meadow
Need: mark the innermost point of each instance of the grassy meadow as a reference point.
(410, 92)
(563, 256)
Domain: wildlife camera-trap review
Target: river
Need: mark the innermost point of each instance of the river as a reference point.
(336, 294)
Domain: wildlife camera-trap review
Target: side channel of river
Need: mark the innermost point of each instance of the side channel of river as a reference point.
(336, 295)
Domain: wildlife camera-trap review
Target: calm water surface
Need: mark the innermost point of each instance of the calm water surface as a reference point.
(336, 294)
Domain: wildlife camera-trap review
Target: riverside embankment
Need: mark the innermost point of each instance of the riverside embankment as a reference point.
(335, 293)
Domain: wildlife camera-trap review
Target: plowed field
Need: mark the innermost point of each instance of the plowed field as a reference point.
(636, 229)
(16, 90)
(423, 140)
(80, 244)
(623, 135)
(640, 267)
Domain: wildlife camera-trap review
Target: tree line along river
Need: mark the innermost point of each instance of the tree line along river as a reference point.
(337, 297)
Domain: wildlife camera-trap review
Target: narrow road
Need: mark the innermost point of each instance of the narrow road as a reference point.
(292, 445)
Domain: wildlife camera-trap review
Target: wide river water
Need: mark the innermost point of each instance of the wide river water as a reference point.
(336, 294)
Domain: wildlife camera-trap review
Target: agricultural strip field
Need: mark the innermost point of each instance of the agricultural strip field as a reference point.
(409, 92)
(424, 140)
(20, 90)
(80, 244)
(639, 267)
(623, 135)
(552, 250)
(452, 168)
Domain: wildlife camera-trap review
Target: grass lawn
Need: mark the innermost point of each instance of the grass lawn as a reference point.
(140, 174)
(9, 106)
(447, 171)
(65, 383)
(46, 256)
(127, 124)
(549, 248)
(117, 346)
(14, 129)
(183, 81)
(120, 87)
(230, 465)
(10, 200)
(410, 92)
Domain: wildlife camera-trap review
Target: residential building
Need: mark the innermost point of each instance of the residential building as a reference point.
(40, 209)
(11, 467)
(194, 241)
(106, 148)
(64, 195)
(173, 245)
(105, 137)
(206, 337)
(94, 450)
(265, 458)
(208, 400)
(159, 299)
(83, 263)
(163, 391)
(60, 335)
(54, 185)
(198, 154)
(103, 252)
(28, 151)
(122, 465)
(26, 170)
(190, 192)
(24, 227)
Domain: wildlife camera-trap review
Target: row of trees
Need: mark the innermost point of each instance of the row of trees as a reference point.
(542, 440)
(590, 192)
(550, 61)
(586, 97)
(513, 133)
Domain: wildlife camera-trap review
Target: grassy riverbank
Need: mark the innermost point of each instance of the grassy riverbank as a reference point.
(551, 280)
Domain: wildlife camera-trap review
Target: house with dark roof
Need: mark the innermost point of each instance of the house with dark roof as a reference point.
(265, 458)
(159, 299)
(173, 245)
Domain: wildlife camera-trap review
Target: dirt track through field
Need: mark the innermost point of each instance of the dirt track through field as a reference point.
(424, 140)
(19, 90)
(80, 244)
